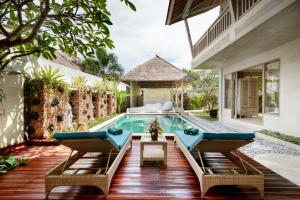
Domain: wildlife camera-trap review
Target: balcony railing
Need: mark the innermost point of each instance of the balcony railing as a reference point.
(242, 6)
(214, 31)
(222, 23)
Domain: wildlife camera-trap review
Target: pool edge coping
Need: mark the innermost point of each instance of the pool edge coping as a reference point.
(99, 126)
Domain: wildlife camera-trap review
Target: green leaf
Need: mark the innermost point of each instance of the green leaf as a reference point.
(132, 6)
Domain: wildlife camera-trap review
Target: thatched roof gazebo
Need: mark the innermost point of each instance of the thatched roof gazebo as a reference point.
(157, 74)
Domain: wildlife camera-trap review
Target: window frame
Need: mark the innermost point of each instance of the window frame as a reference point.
(265, 69)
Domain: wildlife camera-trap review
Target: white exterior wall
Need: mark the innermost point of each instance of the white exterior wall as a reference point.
(288, 121)
(12, 110)
(156, 95)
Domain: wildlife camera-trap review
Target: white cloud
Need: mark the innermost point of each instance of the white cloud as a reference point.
(140, 35)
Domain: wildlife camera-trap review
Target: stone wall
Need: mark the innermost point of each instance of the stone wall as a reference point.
(104, 110)
(47, 113)
(111, 103)
(99, 104)
(48, 110)
(82, 107)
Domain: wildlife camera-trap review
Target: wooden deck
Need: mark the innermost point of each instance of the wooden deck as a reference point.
(177, 181)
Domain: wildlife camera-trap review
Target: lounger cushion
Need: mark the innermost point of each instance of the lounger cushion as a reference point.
(229, 136)
(119, 140)
(190, 141)
(80, 135)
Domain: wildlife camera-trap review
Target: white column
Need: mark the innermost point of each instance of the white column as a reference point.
(220, 96)
(182, 92)
(176, 96)
(131, 93)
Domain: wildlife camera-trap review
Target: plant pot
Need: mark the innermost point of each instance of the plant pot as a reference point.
(213, 113)
(154, 136)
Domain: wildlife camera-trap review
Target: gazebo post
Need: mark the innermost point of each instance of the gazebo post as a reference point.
(131, 93)
(176, 95)
(182, 92)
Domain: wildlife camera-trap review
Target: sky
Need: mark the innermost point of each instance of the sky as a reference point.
(139, 36)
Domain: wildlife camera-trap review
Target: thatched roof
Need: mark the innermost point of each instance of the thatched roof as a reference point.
(156, 71)
(67, 60)
(176, 9)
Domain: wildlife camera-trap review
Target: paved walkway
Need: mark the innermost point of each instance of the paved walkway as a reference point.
(280, 156)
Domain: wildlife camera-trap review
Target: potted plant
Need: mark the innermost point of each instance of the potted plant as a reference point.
(155, 129)
(211, 101)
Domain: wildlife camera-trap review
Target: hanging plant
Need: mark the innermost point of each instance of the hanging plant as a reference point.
(51, 128)
(34, 115)
(35, 102)
(31, 130)
(60, 89)
(60, 117)
(54, 102)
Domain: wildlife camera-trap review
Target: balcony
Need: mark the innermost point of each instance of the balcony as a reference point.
(254, 28)
(222, 23)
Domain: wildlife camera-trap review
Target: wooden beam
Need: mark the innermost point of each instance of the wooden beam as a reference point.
(170, 12)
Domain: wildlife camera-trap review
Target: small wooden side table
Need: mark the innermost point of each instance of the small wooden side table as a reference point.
(152, 152)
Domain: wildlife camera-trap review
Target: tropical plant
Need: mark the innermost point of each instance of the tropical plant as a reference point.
(99, 85)
(40, 27)
(105, 65)
(10, 162)
(206, 83)
(79, 82)
(46, 76)
(210, 101)
(121, 100)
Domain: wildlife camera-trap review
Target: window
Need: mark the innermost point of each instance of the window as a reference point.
(272, 74)
(228, 91)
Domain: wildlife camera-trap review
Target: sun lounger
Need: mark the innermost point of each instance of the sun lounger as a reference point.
(195, 146)
(100, 168)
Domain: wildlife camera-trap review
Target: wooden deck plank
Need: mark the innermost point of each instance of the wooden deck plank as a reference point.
(177, 181)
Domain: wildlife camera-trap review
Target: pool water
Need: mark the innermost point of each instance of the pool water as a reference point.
(140, 123)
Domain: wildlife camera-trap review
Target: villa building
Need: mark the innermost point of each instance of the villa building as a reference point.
(255, 45)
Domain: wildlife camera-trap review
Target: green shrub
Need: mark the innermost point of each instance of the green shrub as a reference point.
(10, 162)
(281, 136)
(194, 103)
(96, 122)
(121, 100)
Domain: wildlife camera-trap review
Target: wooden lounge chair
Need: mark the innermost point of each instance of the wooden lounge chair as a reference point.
(194, 146)
(110, 151)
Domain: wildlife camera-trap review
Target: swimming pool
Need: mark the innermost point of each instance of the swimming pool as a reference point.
(140, 123)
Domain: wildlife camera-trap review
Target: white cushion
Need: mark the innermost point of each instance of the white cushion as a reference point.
(167, 106)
